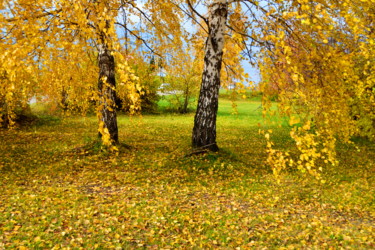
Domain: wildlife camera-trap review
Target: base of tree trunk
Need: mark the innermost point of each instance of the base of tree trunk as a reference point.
(211, 147)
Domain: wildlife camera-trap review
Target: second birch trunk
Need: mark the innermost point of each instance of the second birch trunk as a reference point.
(204, 131)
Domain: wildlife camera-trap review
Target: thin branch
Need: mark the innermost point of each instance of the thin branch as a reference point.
(34, 17)
(143, 14)
(228, 67)
(196, 12)
(149, 20)
(244, 34)
(139, 38)
(191, 16)
(7, 33)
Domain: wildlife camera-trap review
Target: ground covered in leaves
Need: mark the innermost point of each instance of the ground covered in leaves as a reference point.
(59, 190)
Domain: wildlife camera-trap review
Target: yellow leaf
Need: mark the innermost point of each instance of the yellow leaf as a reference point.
(267, 136)
(293, 120)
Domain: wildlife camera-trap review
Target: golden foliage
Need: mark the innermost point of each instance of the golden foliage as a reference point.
(319, 64)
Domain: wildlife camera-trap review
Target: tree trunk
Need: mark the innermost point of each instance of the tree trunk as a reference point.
(64, 99)
(186, 99)
(107, 94)
(4, 121)
(204, 132)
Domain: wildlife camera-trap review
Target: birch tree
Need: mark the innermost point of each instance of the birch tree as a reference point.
(317, 55)
(204, 131)
(224, 30)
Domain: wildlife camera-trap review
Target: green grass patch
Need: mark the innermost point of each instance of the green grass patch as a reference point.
(60, 190)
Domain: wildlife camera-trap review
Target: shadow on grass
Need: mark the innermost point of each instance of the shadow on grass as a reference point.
(96, 147)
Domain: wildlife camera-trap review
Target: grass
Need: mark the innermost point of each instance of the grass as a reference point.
(60, 190)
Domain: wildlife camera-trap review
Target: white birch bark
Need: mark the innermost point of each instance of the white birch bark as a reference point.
(204, 132)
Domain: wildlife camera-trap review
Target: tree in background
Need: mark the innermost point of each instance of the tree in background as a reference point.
(182, 78)
(147, 86)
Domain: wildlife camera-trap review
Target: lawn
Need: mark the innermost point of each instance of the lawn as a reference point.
(59, 190)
